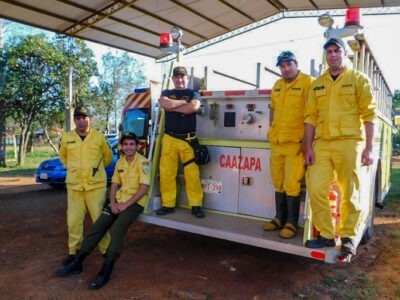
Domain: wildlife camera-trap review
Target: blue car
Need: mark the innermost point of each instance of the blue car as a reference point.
(53, 172)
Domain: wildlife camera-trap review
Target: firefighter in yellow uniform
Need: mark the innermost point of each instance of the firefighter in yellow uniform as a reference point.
(129, 187)
(286, 133)
(85, 152)
(340, 104)
(180, 105)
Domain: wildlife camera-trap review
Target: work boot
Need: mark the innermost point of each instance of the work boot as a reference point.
(66, 261)
(281, 213)
(103, 276)
(74, 267)
(320, 242)
(198, 212)
(293, 207)
(165, 210)
(348, 246)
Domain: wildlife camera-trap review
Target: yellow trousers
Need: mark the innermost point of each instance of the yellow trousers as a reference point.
(173, 150)
(79, 203)
(287, 168)
(344, 156)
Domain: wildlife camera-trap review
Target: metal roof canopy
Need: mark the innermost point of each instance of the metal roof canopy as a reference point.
(135, 25)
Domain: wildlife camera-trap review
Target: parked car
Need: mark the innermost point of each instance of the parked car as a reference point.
(53, 172)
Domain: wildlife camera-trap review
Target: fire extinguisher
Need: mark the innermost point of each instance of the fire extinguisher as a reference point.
(333, 198)
(334, 203)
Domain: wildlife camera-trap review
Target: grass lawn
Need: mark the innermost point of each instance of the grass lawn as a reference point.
(32, 161)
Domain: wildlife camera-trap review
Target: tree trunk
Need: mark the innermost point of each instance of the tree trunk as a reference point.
(50, 141)
(21, 149)
(3, 162)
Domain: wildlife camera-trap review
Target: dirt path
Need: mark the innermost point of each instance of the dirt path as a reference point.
(159, 263)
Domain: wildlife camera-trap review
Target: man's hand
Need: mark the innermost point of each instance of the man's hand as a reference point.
(367, 157)
(309, 156)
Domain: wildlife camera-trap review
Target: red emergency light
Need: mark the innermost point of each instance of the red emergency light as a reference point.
(165, 40)
(352, 17)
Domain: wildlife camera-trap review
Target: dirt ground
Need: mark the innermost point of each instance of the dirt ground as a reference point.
(161, 263)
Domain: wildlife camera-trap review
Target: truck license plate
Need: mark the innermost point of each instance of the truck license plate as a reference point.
(211, 186)
(43, 176)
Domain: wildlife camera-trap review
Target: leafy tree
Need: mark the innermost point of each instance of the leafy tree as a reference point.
(396, 131)
(32, 83)
(396, 99)
(2, 104)
(121, 75)
(78, 56)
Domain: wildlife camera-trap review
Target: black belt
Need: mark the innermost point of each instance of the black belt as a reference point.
(181, 136)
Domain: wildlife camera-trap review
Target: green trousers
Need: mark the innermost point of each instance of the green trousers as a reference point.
(120, 224)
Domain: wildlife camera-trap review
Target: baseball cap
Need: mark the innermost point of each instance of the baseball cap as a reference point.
(179, 70)
(129, 136)
(285, 56)
(82, 111)
(335, 41)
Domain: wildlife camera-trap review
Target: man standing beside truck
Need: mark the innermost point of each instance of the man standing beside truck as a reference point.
(285, 134)
(85, 152)
(340, 103)
(181, 105)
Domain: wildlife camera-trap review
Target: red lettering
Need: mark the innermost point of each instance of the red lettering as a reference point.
(246, 164)
(252, 162)
(222, 161)
(240, 162)
(258, 165)
(235, 164)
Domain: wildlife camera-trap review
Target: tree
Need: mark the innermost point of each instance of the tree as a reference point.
(396, 99)
(396, 131)
(2, 105)
(121, 75)
(32, 83)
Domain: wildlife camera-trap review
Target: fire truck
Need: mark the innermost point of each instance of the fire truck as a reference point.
(238, 191)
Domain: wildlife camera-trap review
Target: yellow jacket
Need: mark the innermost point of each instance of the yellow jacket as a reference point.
(288, 101)
(338, 109)
(129, 176)
(81, 157)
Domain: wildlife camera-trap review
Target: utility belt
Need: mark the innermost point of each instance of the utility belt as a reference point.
(182, 136)
(201, 155)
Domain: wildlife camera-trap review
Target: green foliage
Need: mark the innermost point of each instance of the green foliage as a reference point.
(396, 99)
(32, 161)
(121, 75)
(393, 197)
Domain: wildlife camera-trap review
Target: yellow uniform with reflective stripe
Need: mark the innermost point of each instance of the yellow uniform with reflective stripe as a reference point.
(86, 193)
(129, 176)
(338, 109)
(286, 132)
(80, 157)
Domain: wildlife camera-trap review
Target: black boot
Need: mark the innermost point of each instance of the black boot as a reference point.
(74, 267)
(281, 213)
(103, 276)
(293, 208)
